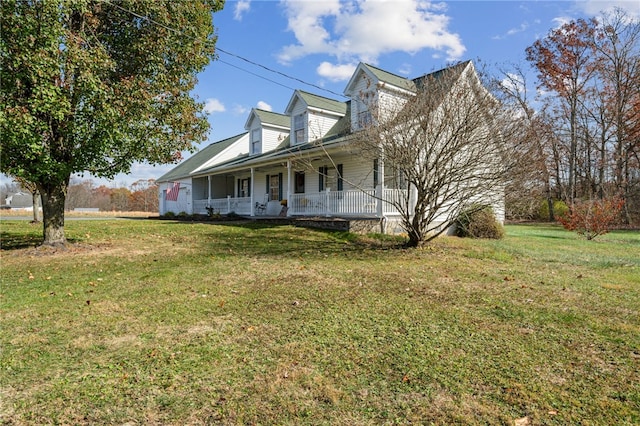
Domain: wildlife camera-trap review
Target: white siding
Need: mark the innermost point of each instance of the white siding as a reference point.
(272, 137)
(238, 148)
(364, 97)
(318, 124)
(184, 202)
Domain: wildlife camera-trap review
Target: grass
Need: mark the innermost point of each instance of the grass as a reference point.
(162, 322)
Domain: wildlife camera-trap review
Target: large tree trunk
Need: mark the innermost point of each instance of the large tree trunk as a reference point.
(53, 198)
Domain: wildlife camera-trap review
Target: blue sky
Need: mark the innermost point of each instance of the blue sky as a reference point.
(321, 42)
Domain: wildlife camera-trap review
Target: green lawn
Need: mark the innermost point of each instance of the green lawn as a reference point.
(162, 322)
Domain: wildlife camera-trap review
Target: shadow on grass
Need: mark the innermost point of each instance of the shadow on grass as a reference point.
(11, 241)
(18, 241)
(284, 239)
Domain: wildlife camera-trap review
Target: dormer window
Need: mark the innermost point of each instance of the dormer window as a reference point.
(364, 119)
(255, 142)
(298, 128)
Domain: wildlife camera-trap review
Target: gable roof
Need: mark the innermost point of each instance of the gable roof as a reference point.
(268, 117)
(191, 164)
(380, 77)
(317, 102)
(452, 73)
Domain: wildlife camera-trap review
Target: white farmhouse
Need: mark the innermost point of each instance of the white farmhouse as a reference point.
(303, 156)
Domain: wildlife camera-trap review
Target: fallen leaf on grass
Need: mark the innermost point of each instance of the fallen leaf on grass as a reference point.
(524, 421)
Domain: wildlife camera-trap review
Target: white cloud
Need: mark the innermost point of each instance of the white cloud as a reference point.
(596, 7)
(335, 72)
(362, 30)
(513, 31)
(561, 20)
(212, 105)
(514, 83)
(240, 110)
(241, 8)
(264, 106)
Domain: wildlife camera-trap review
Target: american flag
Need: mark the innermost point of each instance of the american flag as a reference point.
(172, 192)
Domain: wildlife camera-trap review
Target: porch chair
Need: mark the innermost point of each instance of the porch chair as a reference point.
(262, 207)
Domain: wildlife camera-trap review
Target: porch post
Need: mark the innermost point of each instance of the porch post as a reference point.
(253, 206)
(289, 180)
(380, 188)
(208, 190)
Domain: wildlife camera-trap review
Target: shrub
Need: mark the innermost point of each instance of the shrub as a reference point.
(592, 217)
(478, 222)
(560, 208)
(169, 215)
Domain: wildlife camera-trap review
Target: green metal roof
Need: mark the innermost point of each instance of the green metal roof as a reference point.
(394, 80)
(320, 102)
(268, 117)
(186, 167)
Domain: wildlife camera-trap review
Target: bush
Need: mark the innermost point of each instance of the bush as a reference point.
(169, 215)
(592, 217)
(560, 208)
(479, 222)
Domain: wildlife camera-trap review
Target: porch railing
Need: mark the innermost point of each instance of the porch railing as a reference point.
(327, 203)
(227, 205)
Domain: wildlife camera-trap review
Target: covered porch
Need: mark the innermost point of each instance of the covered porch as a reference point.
(345, 203)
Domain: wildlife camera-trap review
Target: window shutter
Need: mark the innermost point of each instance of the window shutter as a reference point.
(239, 188)
(267, 190)
(248, 188)
(339, 169)
(321, 179)
(280, 197)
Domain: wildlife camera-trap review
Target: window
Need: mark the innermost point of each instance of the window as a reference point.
(244, 187)
(298, 128)
(274, 186)
(255, 142)
(299, 182)
(330, 178)
(364, 119)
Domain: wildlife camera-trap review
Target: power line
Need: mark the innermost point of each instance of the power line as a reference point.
(236, 56)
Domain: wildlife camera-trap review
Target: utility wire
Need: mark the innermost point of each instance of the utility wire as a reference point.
(146, 18)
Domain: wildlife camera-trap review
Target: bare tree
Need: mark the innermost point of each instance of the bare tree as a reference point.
(441, 149)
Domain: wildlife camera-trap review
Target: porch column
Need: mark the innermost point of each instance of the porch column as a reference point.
(208, 190)
(380, 188)
(253, 205)
(289, 181)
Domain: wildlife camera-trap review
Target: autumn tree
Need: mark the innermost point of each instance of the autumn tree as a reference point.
(441, 148)
(144, 195)
(564, 65)
(96, 86)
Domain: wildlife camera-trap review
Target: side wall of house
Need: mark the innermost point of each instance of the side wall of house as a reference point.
(184, 203)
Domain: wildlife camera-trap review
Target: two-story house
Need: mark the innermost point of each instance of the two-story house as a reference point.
(304, 156)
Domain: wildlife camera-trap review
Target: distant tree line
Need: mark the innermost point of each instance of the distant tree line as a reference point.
(142, 195)
(580, 133)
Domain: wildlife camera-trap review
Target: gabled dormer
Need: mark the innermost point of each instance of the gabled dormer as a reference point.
(266, 130)
(312, 116)
(371, 90)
